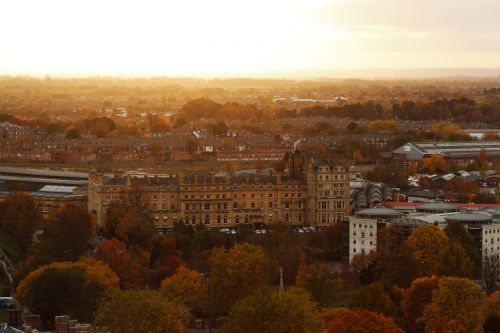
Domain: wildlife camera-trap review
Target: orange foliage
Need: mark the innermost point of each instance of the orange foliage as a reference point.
(363, 321)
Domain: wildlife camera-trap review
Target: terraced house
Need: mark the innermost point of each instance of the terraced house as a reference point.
(306, 192)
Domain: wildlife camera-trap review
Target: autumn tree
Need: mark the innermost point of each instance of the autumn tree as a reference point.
(493, 313)
(426, 243)
(129, 226)
(188, 286)
(363, 321)
(415, 299)
(454, 261)
(483, 161)
(133, 311)
(74, 289)
(20, 219)
(67, 231)
(319, 281)
(237, 273)
(114, 253)
(457, 306)
(271, 311)
(374, 297)
(434, 164)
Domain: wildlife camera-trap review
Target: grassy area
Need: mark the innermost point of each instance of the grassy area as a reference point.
(342, 298)
(8, 246)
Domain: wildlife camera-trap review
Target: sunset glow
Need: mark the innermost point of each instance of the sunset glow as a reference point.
(259, 37)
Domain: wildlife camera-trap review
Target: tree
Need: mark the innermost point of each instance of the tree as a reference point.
(351, 127)
(20, 219)
(426, 243)
(114, 253)
(483, 161)
(320, 282)
(457, 306)
(129, 226)
(363, 321)
(191, 145)
(133, 311)
(454, 261)
(374, 297)
(67, 231)
(491, 272)
(236, 274)
(188, 286)
(414, 301)
(455, 231)
(271, 311)
(73, 133)
(434, 164)
(493, 310)
(74, 289)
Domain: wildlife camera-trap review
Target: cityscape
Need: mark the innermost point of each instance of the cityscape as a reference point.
(323, 166)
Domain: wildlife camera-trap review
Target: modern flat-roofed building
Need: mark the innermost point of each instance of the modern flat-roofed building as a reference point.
(462, 152)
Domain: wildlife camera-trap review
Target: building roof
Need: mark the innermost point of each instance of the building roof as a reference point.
(438, 206)
(378, 211)
(58, 189)
(464, 217)
(451, 148)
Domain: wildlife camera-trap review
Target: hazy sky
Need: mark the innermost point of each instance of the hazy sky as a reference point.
(236, 37)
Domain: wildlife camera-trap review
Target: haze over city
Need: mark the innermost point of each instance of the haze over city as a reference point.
(264, 166)
(260, 38)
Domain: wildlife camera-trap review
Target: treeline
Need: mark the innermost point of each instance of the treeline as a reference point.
(278, 282)
(458, 110)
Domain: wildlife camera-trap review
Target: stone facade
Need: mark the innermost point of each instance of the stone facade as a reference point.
(306, 192)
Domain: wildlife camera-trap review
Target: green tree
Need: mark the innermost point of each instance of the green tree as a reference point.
(374, 297)
(236, 274)
(454, 261)
(133, 311)
(319, 281)
(270, 311)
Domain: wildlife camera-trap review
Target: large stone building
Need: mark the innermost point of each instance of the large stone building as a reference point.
(306, 192)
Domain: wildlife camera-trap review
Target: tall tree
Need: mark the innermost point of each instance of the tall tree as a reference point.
(133, 311)
(454, 261)
(457, 306)
(20, 219)
(187, 285)
(114, 253)
(236, 274)
(67, 231)
(414, 301)
(427, 242)
(271, 311)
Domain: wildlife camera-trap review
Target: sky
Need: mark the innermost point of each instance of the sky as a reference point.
(244, 38)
